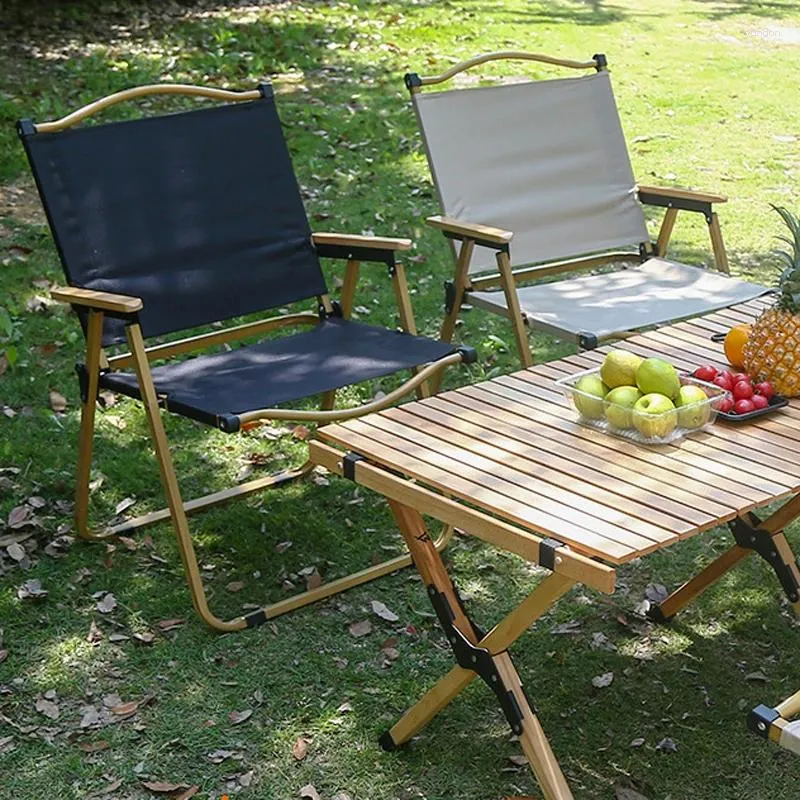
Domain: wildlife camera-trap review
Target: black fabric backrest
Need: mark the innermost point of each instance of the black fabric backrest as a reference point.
(197, 213)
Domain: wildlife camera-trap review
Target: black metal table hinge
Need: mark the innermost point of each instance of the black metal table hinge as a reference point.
(349, 461)
(477, 659)
(547, 553)
(751, 537)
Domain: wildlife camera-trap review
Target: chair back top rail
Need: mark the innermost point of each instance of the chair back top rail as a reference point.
(414, 81)
(545, 159)
(189, 90)
(197, 213)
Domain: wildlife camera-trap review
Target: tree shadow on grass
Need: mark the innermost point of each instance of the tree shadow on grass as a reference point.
(771, 9)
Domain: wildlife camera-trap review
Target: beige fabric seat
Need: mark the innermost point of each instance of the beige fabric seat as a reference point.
(534, 180)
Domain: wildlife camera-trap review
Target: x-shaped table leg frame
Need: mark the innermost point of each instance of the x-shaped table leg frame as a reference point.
(479, 654)
(766, 538)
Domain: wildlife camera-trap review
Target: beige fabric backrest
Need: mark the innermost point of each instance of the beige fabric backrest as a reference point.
(545, 159)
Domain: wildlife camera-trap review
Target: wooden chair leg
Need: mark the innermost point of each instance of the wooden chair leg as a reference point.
(718, 245)
(94, 332)
(665, 233)
(514, 310)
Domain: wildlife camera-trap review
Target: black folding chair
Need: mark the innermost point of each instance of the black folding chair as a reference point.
(173, 222)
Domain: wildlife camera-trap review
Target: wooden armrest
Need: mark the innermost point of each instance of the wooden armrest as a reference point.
(371, 242)
(681, 194)
(104, 301)
(470, 230)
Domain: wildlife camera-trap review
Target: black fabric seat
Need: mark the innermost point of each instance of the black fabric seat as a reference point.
(334, 354)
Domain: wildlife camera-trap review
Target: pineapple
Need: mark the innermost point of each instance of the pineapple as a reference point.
(772, 351)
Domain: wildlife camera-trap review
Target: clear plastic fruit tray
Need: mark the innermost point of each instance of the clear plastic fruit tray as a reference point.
(677, 423)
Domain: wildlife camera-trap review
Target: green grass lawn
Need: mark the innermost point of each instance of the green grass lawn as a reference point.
(707, 91)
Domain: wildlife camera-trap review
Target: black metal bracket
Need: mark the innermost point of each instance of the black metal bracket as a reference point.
(760, 720)
(83, 381)
(449, 296)
(347, 253)
(547, 553)
(25, 127)
(477, 659)
(265, 90)
(681, 203)
(349, 461)
(600, 61)
(587, 341)
(336, 311)
(460, 237)
(256, 618)
(751, 537)
(412, 81)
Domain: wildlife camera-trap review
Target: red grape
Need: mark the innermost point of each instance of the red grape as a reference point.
(706, 373)
(759, 401)
(740, 376)
(765, 388)
(743, 406)
(723, 381)
(742, 390)
(725, 405)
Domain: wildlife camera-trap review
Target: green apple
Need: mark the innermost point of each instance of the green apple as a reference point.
(619, 368)
(619, 406)
(656, 376)
(654, 416)
(694, 410)
(589, 396)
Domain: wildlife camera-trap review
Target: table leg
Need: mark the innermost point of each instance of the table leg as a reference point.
(692, 589)
(479, 655)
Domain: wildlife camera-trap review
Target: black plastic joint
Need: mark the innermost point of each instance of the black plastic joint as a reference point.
(657, 615)
(386, 742)
(25, 127)
(265, 90)
(228, 423)
(449, 296)
(412, 80)
(587, 341)
(83, 381)
(256, 618)
(547, 553)
(760, 720)
(349, 462)
(469, 355)
(600, 61)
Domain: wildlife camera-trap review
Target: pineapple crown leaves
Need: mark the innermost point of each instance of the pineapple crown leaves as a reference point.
(789, 282)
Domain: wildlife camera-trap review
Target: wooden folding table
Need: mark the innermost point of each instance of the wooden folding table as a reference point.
(506, 461)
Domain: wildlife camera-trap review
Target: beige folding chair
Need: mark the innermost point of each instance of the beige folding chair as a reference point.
(776, 723)
(534, 180)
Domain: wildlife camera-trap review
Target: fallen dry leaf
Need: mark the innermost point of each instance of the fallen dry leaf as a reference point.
(20, 516)
(47, 707)
(162, 787)
(190, 792)
(601, 681)
(383, 612)
(300, 748)
(218, 756)
(31, 590)
(666, 745)
(106, 604)
(518, 761)
(301, 432)
(235, 586)
(145, 638)
(313, 580)
(3, 655)
(309, 792)
(124, 709)
(170, 624)
(124, 505)
(238, 717)
(359, 629)
(15, 551)
(94, 747)
(95, 635)
(57, 401)
(626, 793)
